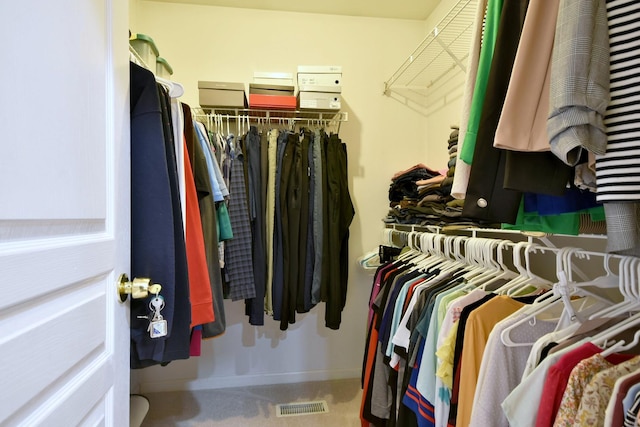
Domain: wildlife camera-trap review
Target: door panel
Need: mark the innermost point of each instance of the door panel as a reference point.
(64, 212)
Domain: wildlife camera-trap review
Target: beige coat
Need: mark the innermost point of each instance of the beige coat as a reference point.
(523, 122)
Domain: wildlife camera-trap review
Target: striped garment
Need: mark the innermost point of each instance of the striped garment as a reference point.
(631, 417)
(618, 171)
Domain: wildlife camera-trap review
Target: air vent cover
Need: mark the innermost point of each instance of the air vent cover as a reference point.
(301, 408)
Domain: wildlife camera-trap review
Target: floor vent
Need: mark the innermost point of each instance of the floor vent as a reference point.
(301, 408)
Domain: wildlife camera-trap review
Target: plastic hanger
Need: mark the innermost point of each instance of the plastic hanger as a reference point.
(554, 301)
(629, 290)
(557, 299)
(430, 248)
(531, 278)
(478, 257)
(522, 276)
(176, 90)
(622, 346)
(604, 337)
(609, 280)
(497, 269)
(624, 281)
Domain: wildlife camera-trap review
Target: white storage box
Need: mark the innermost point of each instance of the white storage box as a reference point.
(146, 48)
(319, 101)
(320, 82)
(324, 69)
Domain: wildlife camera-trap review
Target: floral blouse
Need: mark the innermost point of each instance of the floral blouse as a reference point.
(581, 376)
(598, 392)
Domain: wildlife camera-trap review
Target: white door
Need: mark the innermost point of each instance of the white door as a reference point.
(64, 212)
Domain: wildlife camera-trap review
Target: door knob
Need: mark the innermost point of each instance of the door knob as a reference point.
(139, 287)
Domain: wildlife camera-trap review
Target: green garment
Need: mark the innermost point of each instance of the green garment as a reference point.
(567, 223)
(492, 21)
(223, 223)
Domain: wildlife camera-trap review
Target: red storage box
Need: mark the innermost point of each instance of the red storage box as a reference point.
(280, 102)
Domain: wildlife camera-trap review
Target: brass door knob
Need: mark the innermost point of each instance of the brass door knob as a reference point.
(139, 287)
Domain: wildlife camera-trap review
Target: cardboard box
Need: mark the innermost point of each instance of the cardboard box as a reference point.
(271, 89)
(222, 94)
(280, 102)
(319, 101)
(331, 69)
(322, 81)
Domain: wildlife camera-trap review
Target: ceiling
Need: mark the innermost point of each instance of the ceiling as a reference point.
(399, 9)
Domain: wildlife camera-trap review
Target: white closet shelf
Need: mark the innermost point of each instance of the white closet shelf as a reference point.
(473, 231)
(444, 50)
(275, 115)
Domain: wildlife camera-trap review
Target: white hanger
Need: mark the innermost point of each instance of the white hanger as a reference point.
(551, 300)
(176, 90)
(427, 248)
(545, 304)
(621, 346)
(478, 258)
(605, 336)
(496, 268)
(629, 289)
(524, 276)
(412, 252)
(609, 280)
(625, 285)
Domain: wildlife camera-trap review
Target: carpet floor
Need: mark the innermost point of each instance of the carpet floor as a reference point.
(256, 406)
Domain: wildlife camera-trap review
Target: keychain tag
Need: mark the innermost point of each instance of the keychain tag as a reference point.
(158, 325)
(158, 328)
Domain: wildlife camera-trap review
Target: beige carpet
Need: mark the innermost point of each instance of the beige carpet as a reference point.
(256, 406)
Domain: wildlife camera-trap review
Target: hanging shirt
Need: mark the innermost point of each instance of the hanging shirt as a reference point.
(597, 393)
(491, 23)
(614, 415)
(580, 377)
(200, 294)
(270, 214)
(156, 223)
(481, 321)
(616, 171)
(579, 92)
(238, 257)
(463, 170)
(523, 125)
(502, 367)
(211, 163)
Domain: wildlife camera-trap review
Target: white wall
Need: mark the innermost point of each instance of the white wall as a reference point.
(382, 136)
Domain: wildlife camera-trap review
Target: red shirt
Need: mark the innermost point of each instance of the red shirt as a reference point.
(558, 377)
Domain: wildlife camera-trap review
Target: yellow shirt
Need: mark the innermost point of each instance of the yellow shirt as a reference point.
(478, 327)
